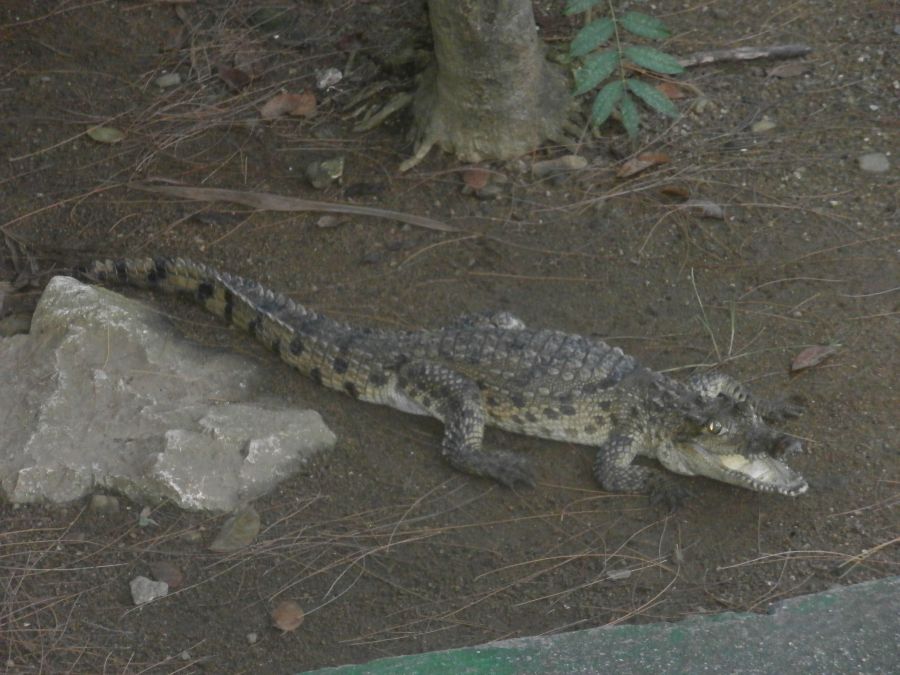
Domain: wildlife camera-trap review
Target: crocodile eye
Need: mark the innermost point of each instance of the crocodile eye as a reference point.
(715, 427)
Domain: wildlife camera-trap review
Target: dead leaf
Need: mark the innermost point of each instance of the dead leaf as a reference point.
(235, 78)
(643, 161)
(671, 90)
(812, 356)
(105, 134)
(299, 105)
(350, 41)
(287, 616)
(329, 221)
(791, 69)
(476, 177)
(677, 191)
(164, 570)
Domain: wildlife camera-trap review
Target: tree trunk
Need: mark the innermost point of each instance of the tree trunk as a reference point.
(490, 94)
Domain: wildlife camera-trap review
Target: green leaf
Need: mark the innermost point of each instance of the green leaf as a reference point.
(592, 36)
(644, 25)
(576, 6)
(605, 102)
(596, 68)
(630, 117)
(652, 96)
(653, 59)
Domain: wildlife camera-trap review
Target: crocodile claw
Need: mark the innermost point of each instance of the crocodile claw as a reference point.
(512, 470)
(669, 494)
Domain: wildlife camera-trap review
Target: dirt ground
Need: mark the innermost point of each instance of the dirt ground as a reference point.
(386, 548)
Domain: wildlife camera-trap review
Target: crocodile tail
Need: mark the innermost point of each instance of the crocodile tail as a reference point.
(274, 319)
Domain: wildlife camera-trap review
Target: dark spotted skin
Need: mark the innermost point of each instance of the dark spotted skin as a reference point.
(489, 369)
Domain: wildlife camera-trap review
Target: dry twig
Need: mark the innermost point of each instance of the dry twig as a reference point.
(744, 54)
(265, 201)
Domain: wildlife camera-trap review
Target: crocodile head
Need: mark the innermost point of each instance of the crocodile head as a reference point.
(727, 440)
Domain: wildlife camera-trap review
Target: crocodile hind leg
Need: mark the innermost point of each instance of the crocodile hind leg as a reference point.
(488, 319)
(456, 401)
(710, 385)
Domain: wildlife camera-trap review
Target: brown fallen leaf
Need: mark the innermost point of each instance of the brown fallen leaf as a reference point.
(671, 90)
(164, 570)
(299, 105)
(235, 78)
(812, 356)
(790, 69)
(643, 161)
(677, 191)
(287, 616)
(476, 177)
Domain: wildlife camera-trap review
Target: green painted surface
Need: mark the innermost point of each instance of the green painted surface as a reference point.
(848, 629)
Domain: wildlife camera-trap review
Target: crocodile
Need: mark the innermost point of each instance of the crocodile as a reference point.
(490, 369)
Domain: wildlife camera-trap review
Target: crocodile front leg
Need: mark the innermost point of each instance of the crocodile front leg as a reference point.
(456, 401)
(615, 470)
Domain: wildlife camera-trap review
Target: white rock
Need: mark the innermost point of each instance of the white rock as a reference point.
(104, 394)
(874, 162)
(144, 590)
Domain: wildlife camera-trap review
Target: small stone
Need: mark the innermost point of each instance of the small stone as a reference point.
(564, 163)
(192, 536)
(238, 531)
(328, 220)
(168, 80)
(104, 504)
(323, 174)
(874, 162)
(492, 191)
(252, 638)
(144, 590)
(764, 125)
(334, 167)
(329, 77)
(701, 105)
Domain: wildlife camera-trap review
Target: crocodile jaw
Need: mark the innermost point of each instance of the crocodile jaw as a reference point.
(758, 472)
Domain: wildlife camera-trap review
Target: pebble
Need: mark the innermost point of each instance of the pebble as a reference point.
(564, 163)
(765, 124)
(322, 174)
(329, 77)
(238, 531)
(874, 162)
(168, 80)
(144, 590)
(104, 504)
